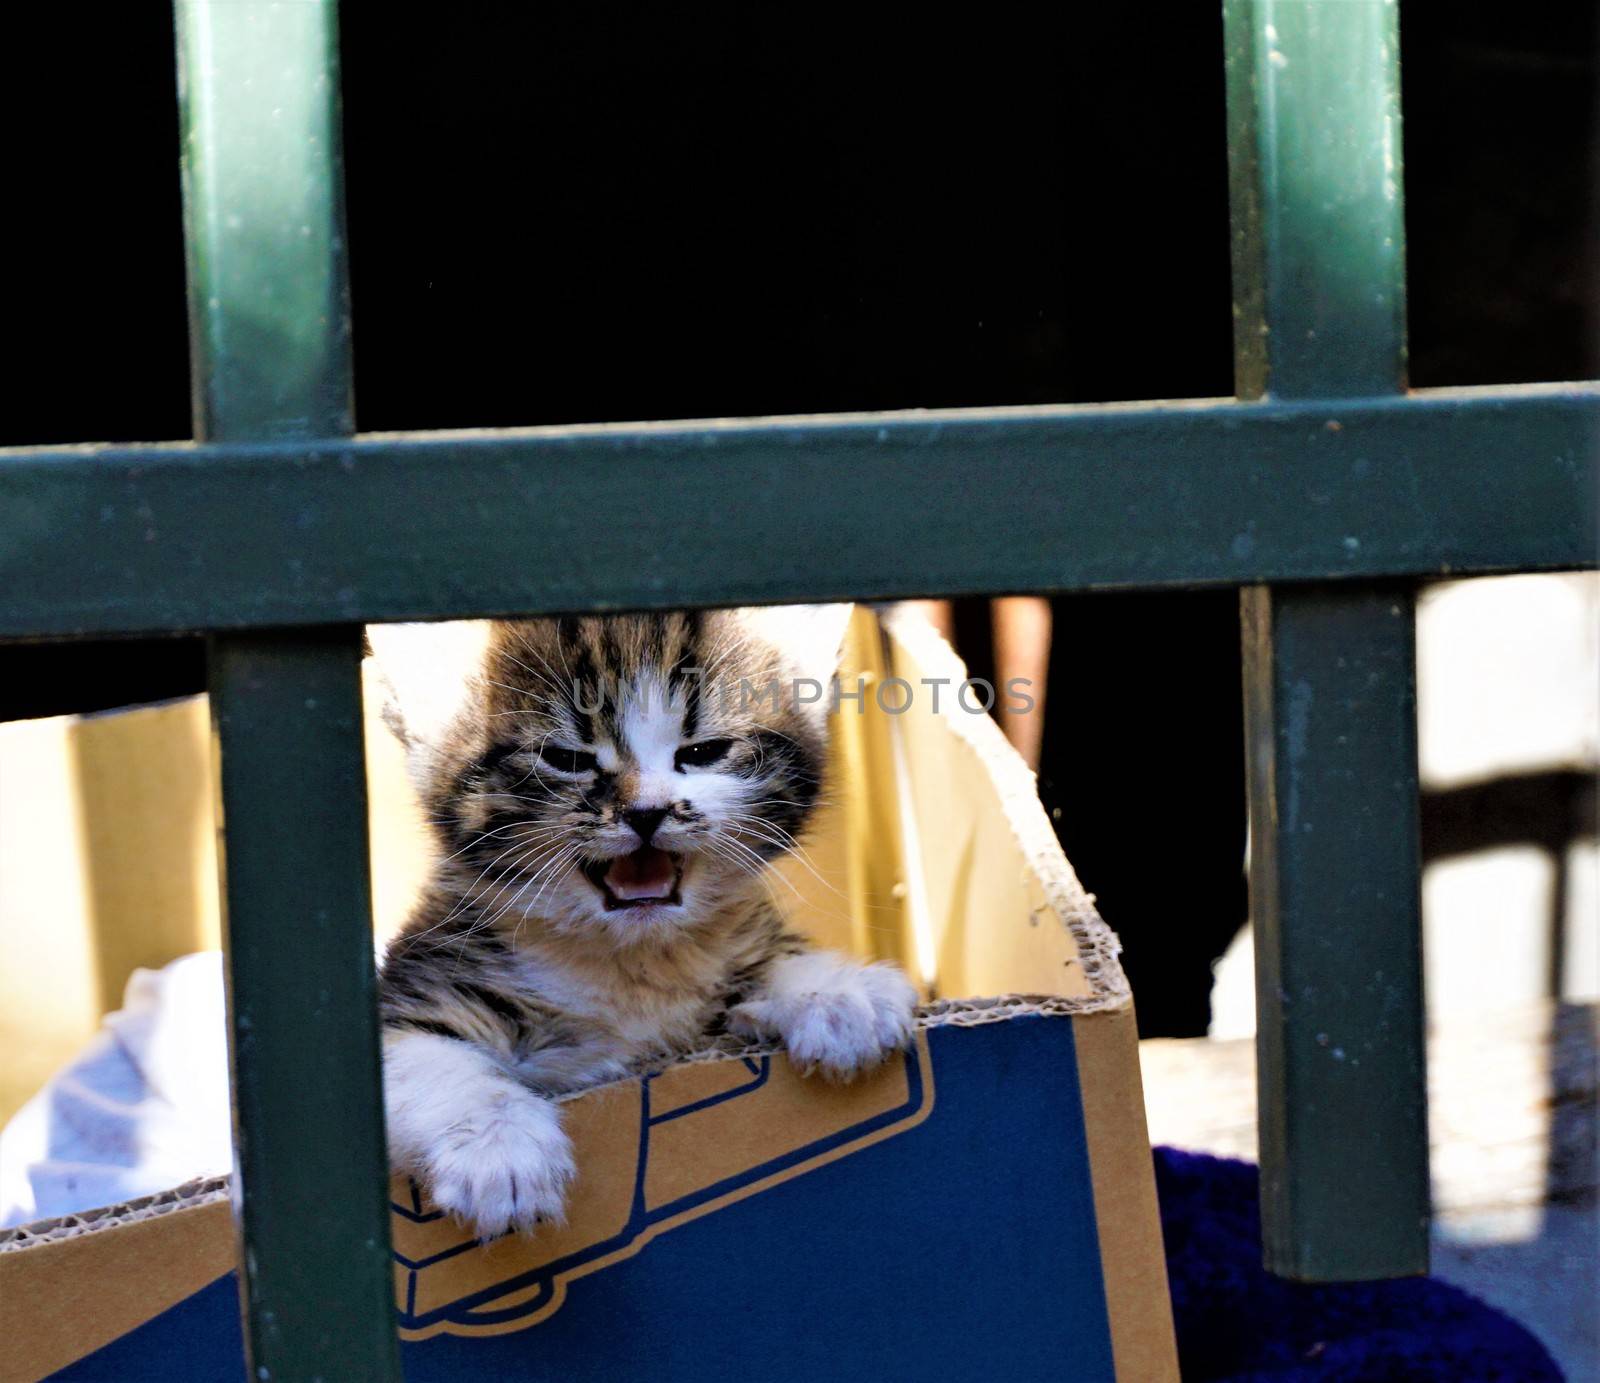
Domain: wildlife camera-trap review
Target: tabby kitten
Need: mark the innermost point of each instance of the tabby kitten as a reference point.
(609, 794)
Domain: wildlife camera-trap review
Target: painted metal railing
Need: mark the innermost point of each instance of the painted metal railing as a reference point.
(1324, 491)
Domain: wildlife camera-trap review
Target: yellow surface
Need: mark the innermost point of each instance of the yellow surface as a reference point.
(109, 863)
(987, 854)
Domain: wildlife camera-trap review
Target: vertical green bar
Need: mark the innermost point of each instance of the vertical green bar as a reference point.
(1330, 715)
(310, 1172)
(270, 333)
(1330, 704)
(263, 194)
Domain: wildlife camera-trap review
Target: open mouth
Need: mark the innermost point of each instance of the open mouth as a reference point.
(646, 878)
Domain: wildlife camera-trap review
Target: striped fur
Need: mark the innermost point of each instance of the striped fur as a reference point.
(522, 974)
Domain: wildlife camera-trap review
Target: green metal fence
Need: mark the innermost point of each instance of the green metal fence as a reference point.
(1324, 492)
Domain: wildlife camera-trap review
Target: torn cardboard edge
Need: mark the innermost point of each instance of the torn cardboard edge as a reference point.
(200, 1191)
(1017, 790)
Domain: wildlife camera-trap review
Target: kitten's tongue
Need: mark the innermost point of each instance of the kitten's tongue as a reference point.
(646, 873)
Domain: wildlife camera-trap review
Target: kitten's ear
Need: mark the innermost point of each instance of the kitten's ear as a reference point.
(810, 636)
(431, 674)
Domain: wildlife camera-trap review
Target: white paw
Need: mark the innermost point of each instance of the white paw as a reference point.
(488, 1150)
(836, 1016)
(505, 1166)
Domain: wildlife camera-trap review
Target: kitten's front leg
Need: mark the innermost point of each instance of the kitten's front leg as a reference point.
(488, 1150)
(835, 1015)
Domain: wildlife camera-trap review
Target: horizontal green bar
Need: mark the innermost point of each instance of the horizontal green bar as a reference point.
(102, 540)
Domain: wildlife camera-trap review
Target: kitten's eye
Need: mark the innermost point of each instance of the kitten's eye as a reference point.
(701, 755)
(566, 760)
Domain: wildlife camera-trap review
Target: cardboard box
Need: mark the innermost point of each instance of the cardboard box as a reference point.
(983, 1205)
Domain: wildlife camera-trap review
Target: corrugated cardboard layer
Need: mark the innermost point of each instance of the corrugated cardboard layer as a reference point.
(67, 1289)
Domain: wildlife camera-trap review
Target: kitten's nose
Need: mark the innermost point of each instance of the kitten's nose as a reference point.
(644, 821)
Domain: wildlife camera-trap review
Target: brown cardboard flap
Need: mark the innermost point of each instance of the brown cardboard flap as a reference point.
(1007, 911)
(67, 1288)
(1132, 1259)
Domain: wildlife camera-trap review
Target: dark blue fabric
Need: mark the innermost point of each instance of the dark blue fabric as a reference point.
(1238, 1324)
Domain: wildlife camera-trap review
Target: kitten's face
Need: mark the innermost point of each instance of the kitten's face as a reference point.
(625, 776)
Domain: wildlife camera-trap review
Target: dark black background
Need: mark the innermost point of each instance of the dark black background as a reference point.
(555, 219)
